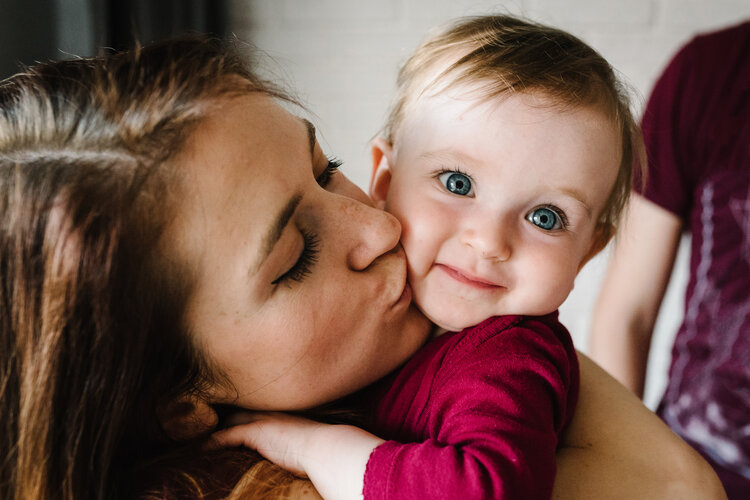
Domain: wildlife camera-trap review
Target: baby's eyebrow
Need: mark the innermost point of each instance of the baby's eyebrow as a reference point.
(577, 196)
(448, 155)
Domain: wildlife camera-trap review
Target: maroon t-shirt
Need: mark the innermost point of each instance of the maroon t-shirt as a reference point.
(476, 414)
(697, 131)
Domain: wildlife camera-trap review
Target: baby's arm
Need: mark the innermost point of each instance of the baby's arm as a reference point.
(484, 438)
(491, 433)
(334, 457)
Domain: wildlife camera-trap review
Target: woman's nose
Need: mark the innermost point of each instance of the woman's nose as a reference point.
(489, 238)
(373, 233)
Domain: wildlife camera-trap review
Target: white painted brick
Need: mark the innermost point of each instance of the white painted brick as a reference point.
(602, 14)
(352, 15)
(701, 15)
(638, 59)
(435, 12)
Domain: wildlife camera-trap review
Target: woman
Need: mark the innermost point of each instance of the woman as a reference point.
(174, 242)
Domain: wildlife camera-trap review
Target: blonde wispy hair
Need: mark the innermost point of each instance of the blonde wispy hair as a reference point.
(499, 55)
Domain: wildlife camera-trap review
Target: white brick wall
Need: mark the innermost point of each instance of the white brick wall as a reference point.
(341, 57)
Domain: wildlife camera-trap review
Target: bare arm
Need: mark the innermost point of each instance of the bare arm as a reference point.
(633, 289)
(616, 448)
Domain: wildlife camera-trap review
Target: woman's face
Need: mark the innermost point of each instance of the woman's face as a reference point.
(301, 293)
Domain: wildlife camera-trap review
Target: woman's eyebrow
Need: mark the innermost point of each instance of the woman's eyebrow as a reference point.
(281, 220)
(310, 135)
(276, 228)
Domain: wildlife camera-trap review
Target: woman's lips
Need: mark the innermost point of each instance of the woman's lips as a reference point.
(405, 295)
(468, 279)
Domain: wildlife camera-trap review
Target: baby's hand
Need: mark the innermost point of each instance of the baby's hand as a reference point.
(334, 457)
(281, 438)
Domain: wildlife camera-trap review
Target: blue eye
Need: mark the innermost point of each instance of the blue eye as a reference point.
(456, 183)
(546, 218)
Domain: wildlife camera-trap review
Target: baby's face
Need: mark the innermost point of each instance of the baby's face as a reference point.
(499, 202)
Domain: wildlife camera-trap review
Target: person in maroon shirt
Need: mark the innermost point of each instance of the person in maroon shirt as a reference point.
(697, 131)
(507, 160)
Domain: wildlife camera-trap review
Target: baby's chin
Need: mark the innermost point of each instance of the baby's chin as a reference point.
(452, 319)
(455, 315)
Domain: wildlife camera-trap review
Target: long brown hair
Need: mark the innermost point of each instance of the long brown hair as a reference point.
(91, 306)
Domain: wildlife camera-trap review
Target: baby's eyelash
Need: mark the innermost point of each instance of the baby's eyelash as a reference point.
(454, 170)
(305, 262)
(559, 213)
(331, 169)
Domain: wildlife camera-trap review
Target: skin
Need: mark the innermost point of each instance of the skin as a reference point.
(228, 185)
(335, 457)
(616, 448)
(477, 254)
(633, 288)
(270, 327)
(514, 241)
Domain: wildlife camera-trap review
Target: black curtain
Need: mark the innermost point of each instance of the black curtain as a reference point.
(39, 30)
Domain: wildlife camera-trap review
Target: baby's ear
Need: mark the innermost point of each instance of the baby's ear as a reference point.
(380, 182)
(603, 233)
(187, 417)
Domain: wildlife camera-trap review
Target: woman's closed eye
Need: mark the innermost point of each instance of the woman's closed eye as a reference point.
(305, 262)
(548, 218)
(311, 243)
(331, 169)
(456, 182)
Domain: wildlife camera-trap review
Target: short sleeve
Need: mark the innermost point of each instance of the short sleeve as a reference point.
(668, 131)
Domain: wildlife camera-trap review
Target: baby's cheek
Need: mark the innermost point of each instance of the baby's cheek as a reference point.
(550, 293)
(417, 247)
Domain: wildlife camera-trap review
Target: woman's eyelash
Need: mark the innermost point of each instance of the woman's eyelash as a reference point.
(305, 262)
(309, 255)
(332, 167)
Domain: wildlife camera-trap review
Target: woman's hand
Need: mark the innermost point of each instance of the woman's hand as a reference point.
(334, 457)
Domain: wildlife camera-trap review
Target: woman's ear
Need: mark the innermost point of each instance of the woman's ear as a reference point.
(187, 417)
(380, 182)
(603, 233)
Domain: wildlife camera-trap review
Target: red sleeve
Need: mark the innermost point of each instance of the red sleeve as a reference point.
(495, 416)
(667, 124)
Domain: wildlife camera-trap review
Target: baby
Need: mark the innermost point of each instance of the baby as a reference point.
(507, 159)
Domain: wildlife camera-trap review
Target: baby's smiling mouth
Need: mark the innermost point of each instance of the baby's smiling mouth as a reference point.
(468, 279)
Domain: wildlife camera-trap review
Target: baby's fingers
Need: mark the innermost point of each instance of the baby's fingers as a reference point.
(238, 435)
(278, 437)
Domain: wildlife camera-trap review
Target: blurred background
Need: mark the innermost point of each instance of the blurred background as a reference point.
(341, 59)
